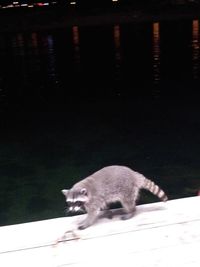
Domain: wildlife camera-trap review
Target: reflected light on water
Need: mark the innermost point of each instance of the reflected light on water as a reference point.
(34, 42)
(76, 45)
(18, 44)
(117, 44)
(51, 57)
(117, 37)
(156, 52)
(195, 48)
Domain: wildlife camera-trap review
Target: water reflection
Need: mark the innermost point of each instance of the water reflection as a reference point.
(76, 45)
(33, 61)
(117, 44)
(156, 52)
(195, 48)
(51, 64)
(38, 57)
(34, 43)
(18, 44)
(34, 64)
(31, 50)
(19, 49)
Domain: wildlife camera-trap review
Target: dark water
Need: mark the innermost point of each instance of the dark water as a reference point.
(75, 100)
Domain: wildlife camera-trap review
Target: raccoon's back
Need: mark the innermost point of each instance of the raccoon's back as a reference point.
(116, 176)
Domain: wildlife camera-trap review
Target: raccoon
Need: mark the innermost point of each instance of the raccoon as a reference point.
(109, 185)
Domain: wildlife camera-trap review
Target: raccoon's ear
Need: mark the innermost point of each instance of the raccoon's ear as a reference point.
(83, 191)
(65, 192)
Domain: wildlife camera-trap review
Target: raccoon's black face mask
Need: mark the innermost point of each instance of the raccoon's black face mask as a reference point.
(75, 200)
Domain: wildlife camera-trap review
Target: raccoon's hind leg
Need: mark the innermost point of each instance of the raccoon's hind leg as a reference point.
(107, 214)
(129, 210)
(129, 204)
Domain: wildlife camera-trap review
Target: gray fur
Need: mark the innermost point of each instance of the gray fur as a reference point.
(108, 185)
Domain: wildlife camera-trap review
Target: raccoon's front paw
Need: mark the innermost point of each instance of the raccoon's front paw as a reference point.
(83, 226)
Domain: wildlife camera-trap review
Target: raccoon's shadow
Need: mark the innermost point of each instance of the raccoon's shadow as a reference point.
(118, 212)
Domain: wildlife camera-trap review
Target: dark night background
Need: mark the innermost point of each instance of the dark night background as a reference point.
(75, 99)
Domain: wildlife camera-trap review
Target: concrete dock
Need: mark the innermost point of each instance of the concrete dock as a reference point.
(160, 234)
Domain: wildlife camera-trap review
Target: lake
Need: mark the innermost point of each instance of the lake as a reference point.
(77, 99)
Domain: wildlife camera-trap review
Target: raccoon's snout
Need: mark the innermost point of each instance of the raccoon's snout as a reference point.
(73, 207)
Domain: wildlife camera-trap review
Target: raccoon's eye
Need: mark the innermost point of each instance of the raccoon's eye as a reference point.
(79, 203)
(69, 203)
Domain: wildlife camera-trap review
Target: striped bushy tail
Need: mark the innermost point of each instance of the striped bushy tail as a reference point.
(155, 189)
